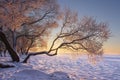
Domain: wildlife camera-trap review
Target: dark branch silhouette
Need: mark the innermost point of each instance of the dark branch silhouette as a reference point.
(26, 22)
(86, 35)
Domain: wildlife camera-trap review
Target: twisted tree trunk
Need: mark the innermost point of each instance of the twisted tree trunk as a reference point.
(12, 53)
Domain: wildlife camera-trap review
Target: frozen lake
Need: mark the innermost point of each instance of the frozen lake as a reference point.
(64, 68)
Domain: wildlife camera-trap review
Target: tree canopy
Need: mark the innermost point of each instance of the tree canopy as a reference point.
(27, 23)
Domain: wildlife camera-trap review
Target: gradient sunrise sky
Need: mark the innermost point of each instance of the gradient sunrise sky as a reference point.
(103, 10)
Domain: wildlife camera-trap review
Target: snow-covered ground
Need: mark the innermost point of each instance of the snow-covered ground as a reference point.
(63, 67)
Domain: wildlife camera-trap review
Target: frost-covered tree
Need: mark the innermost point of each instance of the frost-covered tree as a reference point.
(74, 34)
(40, 16)
(32, 15)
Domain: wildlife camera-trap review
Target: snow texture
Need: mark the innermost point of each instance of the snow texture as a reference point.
(63, 67)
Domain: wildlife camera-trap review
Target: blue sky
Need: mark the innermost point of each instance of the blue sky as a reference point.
(103, 10)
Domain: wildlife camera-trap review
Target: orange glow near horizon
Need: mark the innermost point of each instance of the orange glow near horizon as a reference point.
(110, 47)
(107, 50)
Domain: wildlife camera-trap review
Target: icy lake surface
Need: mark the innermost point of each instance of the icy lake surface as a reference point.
(64, 68)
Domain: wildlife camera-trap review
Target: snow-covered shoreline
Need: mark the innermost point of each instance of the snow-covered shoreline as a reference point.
(63, 68)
